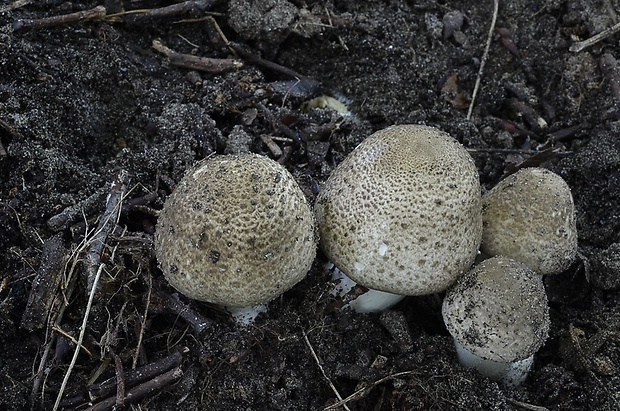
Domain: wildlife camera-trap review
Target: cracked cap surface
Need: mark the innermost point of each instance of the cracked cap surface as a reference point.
(402, 212)
(236, 231)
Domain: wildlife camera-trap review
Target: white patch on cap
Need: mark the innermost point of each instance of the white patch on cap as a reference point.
(383, 249)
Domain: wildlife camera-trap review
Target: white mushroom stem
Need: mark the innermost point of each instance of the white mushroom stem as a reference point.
(508, 373)
(372, 301)
(246, 315)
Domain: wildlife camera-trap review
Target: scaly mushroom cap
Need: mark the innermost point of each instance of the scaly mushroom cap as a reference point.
(530, 217)
(498, 310)
(402, 212)
(237, 231)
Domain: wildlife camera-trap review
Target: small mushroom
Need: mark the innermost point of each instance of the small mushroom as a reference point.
(498, 316)
(237, 231)
(530, 217)
(401, 214)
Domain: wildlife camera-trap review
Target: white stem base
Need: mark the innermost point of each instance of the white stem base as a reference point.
(372, 301)
(508, 373)
(246, 315)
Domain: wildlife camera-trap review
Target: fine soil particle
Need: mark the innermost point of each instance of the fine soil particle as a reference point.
(93, 116)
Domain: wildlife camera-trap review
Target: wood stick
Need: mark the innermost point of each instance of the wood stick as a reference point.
(92, 14)
(483, 62)
(45, 284)
(137, 376)
(137, 393)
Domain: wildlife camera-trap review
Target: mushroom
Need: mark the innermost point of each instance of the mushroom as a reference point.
(237, 231)
(498, 316)
(530, 217)
(401, 214)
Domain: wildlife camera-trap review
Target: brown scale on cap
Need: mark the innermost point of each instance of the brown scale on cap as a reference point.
(530, 217)
(402, 212)
(498, 310)
(237, 231)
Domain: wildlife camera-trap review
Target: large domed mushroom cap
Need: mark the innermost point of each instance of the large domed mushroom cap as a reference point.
(402, 212)
(237, 231)
(530, 217)
(498, 311)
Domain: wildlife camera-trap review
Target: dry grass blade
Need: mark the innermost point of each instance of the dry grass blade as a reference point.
(483, 62)
(318, 362)
(92, 263)
(362, 392)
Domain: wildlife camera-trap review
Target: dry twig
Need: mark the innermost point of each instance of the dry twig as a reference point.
(138, 376)
(69, 215)
(189, 61)
(143, 322)
(137, 393)
(318, 362)
(161, 302)
(95, 13)
(120, 381)
(362, 392)
(483, 61)
(45, 285)
(64, 297)
(72, 339)
(15, 5)
(141, 16)
(261, 62)
(63, 386)
(92, 263)
(579, 46)
(108, 221)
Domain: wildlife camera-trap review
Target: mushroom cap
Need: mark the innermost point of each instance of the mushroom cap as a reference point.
(237, 231)
(530, 217)
(402, 212)
(498, 310)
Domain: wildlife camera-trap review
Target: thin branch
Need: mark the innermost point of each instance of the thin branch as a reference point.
(95, 13)
(72, 339)
(93, 260)
(162, 302)
(138, 376)
(577, 47)
(108, 221)
(70, 214)
(137, 393)
(15, 5)
(209, 64)
(46, 284)
(270, 65)
(191, 6)
(483, 61)
(63, 386)
(365, 390)
(120, 381)
(143, 322)
(69, 286)
(318, 362)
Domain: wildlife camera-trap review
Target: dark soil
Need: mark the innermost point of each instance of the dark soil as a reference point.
(80, 102)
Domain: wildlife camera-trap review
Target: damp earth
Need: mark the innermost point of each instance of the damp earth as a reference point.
(103, 111)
